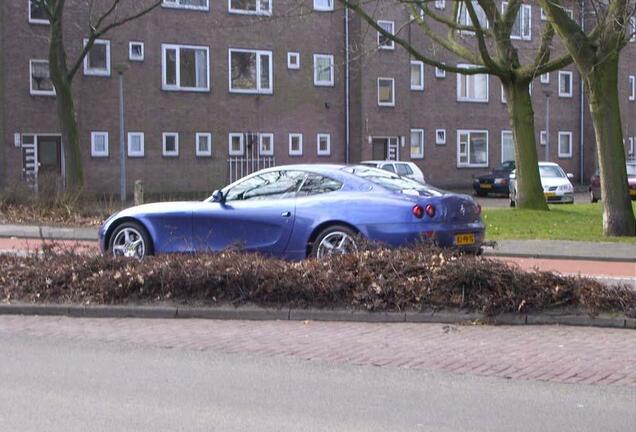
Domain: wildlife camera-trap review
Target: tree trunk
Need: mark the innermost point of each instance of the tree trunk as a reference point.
(602, 85)
(74, 175)
(521, 116)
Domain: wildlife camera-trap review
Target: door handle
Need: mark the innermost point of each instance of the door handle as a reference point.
(286, 214)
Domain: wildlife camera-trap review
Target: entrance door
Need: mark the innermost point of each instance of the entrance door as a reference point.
(49, 156)
(385, 148)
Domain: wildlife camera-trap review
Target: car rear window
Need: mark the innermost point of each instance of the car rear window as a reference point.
(403, 169)
(391, 181)
(631, 169)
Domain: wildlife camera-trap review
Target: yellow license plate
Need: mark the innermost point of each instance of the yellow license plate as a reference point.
(550, 194)
(632, 192)
(464, 239)
(485, 186)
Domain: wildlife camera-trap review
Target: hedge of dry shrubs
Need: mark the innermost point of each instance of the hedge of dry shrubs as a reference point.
(375, 280)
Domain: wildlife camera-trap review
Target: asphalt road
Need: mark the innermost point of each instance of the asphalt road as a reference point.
(58, 384)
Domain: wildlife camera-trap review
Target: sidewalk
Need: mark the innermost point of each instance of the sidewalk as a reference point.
(563, 249)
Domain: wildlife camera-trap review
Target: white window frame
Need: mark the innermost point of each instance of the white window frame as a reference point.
(564, 155)
(98, 72)
(261, 137)
(392, 102)
(526, 33)
(178, 87)
(241, 137)
(258, 10)
(94, 152)
(293, 152)
(259, 89)
(321, 8)
(422, 144)
(175, 4)
(632, 88)
(134, 154)
(468, 21)
(630, 149)
(323, 152)
(35, 20)
(561, 92)
(503, 95)
(468, 164)
(506, 132)
(543, 16)
(420, 65)
(543, 138)
(545, 78)
(440, 4)
(440, 136)
(290, 64)
(166, 153)
(131, 57)
(460, 77)
(329, 83)
(391, 45)
(440, 73)
(38, 92)
(197, 150)
(632, 30)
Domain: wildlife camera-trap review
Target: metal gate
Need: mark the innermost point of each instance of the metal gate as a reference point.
(250, 161)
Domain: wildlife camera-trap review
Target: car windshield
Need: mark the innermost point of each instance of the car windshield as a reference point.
(391, 181)
(551, 171)
(631, 169)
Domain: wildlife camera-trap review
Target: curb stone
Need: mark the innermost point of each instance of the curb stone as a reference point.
(253, 313)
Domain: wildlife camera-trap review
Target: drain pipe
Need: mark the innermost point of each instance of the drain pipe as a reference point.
(581, 110)
(347, 90)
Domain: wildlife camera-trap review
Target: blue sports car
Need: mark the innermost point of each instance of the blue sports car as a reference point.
(300, 211)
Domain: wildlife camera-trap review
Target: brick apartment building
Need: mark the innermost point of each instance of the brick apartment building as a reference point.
(216, 89)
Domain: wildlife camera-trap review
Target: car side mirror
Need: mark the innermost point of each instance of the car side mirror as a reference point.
(570, 176)
(217, 196)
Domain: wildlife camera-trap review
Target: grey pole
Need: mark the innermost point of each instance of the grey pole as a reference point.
(122, 132)
(546, 155)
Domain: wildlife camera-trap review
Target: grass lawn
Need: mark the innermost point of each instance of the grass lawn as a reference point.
(563, 222)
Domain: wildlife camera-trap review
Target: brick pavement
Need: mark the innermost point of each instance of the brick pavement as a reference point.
(545, 353)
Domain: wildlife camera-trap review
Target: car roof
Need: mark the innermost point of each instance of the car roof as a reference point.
(548, 164)
(383, 161)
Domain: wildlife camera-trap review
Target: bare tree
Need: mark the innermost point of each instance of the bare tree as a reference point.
(596, 53)
(492, 50)
(102, 18)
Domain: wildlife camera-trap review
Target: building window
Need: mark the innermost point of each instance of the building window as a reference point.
(323, 5)
(522, 27)
(250, 7)
(170, 144)
(543, 138)
(385, 42)
(417, 143)
(266, 144)
(41, 84)
(440, 136)
(386, 92)
(565, 84)
(632, 88)
(472, 148)
(504, 99)
(99, 144)
(97, 61)
(472, 88)
(417, 75)
(440, 73)
(545, 78)
(440, 4)
(295, 144)
(323, 144)
(630, 150)
(135, 144)
(565, 144)
(323, 70)
(37, 13)
(136, 51)
(203, 142)
(187, 4)
(463, 17)
(293, 60)
(507, 146)
(251, 71)
(236, 144)
(185, 68)
(632, 29)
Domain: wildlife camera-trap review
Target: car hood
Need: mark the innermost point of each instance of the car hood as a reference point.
(160, 207)
(494, 175)
(554, 181)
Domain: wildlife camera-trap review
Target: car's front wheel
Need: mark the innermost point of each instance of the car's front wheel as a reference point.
(593, 198)
(130, 240)
(335, 240)
(513, 197)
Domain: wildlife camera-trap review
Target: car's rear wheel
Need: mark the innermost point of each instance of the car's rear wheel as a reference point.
(335, 240)
(130, 240)
(513, 197)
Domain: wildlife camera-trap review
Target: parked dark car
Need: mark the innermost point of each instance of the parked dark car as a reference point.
(495, 182)
(595, 183)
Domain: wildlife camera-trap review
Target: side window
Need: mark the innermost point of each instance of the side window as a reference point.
(403, 169)
(388, 167)
(270, 185)
(316, 184)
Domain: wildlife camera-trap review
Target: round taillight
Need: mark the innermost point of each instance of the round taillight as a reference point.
(418, 211)
(430, 210)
